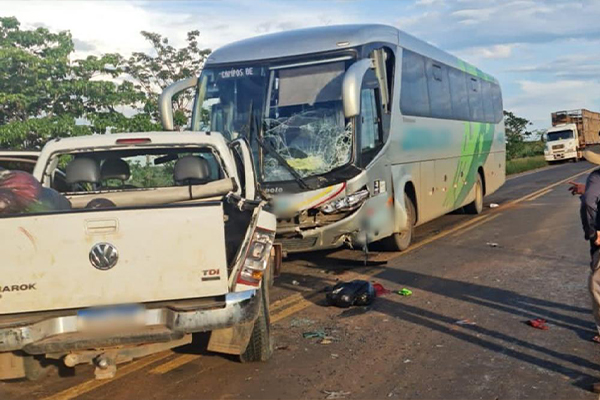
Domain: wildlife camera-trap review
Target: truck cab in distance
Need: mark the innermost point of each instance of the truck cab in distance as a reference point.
(571, 132)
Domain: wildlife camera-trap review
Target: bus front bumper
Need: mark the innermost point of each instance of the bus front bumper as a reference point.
(369, 223)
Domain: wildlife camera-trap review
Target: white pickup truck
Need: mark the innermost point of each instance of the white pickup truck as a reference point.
(165, 237)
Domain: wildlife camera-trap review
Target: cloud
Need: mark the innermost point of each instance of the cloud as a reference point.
(538, 99)
(497, 51)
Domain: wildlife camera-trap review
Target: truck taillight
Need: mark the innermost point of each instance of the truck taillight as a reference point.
(257, 257)
(134, 141)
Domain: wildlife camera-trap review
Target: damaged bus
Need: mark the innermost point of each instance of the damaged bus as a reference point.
(358, 132)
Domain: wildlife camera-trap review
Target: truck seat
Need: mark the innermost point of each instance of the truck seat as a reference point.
(117, 169)
(191, 170)
(82, 170)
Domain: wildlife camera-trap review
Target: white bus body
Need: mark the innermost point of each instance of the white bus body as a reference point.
(359, 132)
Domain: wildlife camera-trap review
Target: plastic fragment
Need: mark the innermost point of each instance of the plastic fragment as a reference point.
(404, 292)
(494, 205)
(465, 322)
(492, 244)
(295, 282)
(380, 290)
(538, 323)
(335, 395)
(314, 334)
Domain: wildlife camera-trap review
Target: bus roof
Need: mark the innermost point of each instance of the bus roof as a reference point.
(328, 38)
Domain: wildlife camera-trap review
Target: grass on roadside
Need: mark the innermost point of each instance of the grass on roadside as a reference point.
(519, 165)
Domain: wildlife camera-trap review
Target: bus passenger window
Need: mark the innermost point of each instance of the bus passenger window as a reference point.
(475, 100)
(370, 132)
(497, 97)
(414, 99)
(439, 90)
(460, 95)
(488, 102)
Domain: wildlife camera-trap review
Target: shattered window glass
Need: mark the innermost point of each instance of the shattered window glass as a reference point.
(305, 122)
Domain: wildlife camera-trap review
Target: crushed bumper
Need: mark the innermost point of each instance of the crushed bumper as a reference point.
(61, 333)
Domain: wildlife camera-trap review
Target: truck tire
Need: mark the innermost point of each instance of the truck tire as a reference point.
(476, 206)
(34, 369)
(260, 346)
(400, 241)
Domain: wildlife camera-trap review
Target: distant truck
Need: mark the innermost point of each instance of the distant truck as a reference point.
(571, 132)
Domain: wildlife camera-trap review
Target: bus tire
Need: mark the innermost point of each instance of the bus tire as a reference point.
(260, 346)
(401, 241)
(476, 206)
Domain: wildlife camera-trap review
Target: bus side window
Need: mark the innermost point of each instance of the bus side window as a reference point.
(475, 100)
(414, 98)
(488, 102)
(370, 128)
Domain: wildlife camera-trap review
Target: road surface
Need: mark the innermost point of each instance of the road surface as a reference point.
(525, 259)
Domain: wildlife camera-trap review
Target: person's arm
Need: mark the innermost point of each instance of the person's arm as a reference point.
(589, 207)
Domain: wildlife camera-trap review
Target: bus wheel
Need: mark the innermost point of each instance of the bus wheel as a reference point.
(401, 241)
(476, 207)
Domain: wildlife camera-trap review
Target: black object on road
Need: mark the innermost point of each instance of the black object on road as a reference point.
(347, 294)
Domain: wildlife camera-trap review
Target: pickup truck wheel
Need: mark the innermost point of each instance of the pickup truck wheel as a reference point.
(401, 241)
(476, 207)
(260, 346)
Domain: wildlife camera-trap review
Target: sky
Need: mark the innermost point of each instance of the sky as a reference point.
(545, 53)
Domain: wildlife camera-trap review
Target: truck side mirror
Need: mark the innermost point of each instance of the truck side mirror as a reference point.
(165, 105)
(351, 86)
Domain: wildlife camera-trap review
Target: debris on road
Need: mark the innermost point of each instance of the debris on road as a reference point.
(404, 292)
(353, 293)
(380, 290)
(538, 323)
(465, 321)
(297, 322)
(335, 395)
(494, 205)
(492, 244)
(320, 334)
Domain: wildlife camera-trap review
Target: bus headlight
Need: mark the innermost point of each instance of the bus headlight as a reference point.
(347, 203)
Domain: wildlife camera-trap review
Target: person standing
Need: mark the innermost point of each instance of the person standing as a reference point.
(590, 221)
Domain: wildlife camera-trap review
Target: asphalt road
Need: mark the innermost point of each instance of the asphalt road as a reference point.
(525, 259)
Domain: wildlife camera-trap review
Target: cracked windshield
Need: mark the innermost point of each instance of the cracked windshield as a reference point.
(303, 128)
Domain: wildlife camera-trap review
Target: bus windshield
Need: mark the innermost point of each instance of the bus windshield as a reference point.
(296, 112)
(559, 135)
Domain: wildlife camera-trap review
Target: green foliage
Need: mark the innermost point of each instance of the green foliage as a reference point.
(44, 94)
(154, 73)
(516, 131)
(519, 165)
(148, 175)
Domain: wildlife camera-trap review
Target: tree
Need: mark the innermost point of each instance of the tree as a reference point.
(154, 73)
(516, 131)
(43, 94)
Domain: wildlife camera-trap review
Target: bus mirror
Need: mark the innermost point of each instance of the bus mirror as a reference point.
(165, 105)
(351, 86)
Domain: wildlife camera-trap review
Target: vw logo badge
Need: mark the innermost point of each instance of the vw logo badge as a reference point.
(104, 256)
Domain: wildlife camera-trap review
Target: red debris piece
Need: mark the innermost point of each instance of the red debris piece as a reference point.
(380, 290)
(538, 323)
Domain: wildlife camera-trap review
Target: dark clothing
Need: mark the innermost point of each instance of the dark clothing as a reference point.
(591, 224)
(589, 209)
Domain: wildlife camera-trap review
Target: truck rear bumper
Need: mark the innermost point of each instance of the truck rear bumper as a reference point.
(61, 333)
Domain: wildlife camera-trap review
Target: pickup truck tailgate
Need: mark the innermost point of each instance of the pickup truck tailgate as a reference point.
(82, 259)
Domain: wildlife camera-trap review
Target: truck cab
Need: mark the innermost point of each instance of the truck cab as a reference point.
(562, 142)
